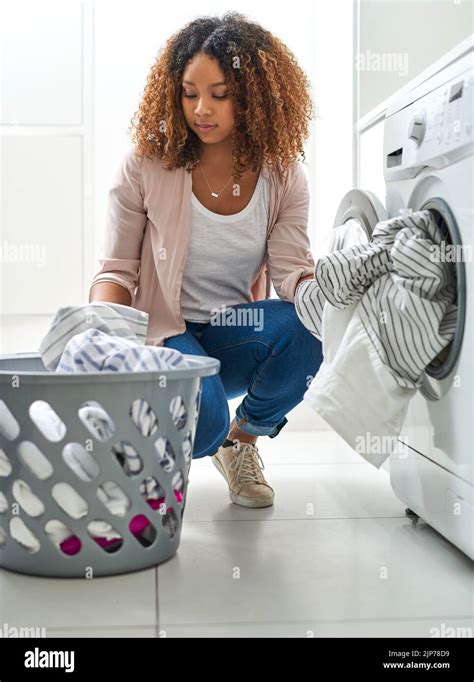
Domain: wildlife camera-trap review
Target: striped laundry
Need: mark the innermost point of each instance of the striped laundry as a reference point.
(410, 314)
(360, 263)
(344, 276)
(406, 295)
(385, 309)
(96, 351)
(111, 318)
(309, 306)
(105, 337)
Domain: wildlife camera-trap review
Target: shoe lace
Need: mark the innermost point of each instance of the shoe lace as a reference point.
(248, 463)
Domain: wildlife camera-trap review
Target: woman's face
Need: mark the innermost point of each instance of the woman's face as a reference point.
(205, 99)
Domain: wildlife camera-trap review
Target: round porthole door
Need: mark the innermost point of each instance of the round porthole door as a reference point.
(356, 217)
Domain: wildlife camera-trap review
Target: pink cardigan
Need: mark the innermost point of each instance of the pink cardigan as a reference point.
(147, 234)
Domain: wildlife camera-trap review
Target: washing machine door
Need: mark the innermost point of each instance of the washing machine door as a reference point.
(357, 215)
(439, 422)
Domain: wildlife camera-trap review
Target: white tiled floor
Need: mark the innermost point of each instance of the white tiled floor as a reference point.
(334, 556)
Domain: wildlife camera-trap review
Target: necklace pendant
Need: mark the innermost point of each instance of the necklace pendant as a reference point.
(213, 194)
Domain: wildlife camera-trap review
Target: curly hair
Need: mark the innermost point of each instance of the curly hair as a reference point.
(270, 95)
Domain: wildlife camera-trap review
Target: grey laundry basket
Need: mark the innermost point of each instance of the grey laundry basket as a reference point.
(24, 380)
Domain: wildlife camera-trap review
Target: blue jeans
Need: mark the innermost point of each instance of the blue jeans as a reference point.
(266, 353)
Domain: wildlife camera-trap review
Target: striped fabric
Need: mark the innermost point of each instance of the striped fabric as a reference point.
(410, 315)
(345, 275)
(112, 318)
(95, 351)
(97, 337)
(309, 305)
(406, 295)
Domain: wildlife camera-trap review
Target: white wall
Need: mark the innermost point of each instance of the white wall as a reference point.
(45, 166)
(401, 38)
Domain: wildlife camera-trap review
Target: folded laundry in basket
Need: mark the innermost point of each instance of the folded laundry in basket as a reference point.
(118, 320)
(384, 310)
(95, 351)
(103, 337)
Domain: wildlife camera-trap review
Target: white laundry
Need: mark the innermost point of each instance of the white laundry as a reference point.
(385, 310)
(354, 392)
(58, 532)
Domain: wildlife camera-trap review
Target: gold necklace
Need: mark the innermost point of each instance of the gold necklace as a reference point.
(213, 194)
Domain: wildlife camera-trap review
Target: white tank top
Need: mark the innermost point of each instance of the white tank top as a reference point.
(225, 255)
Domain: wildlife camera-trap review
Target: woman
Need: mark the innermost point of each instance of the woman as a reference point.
(208, 207)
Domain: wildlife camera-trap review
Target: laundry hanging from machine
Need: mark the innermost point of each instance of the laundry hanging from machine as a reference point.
(384, 310)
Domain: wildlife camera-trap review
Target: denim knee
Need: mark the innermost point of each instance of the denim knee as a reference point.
(214, 419)
(291, 329)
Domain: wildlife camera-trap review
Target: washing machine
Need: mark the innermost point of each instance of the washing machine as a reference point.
(428, 144)
(428, 164)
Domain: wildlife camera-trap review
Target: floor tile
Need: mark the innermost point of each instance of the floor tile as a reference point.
(124, 600)
(343, 490)
(323, 570)
(429, 627)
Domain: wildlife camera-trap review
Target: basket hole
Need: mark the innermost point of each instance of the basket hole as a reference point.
(3, 503)
(153, 493)
(23, 535)
(197, 404)
(5, 464)
(47, 421)
(9, 427)
(69, 500)
(26, 498)
(96, 420)
(187, 447)
(127, 457)
(170, 522)
(143, 530)
(178, 412)
(105, 536)
(143, 417)
(34, 460)
(80, 461)
(62, 537)
(165, 453)
(3, 537)
(178, 486)
(113, 497)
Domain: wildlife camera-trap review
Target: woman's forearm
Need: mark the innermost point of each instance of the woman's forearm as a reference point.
(109, 292)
